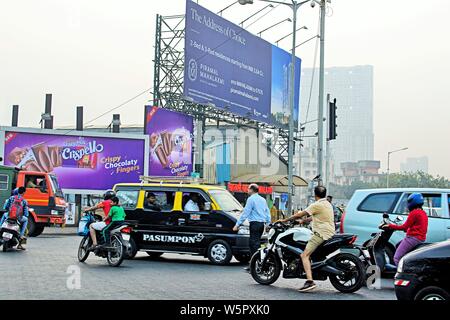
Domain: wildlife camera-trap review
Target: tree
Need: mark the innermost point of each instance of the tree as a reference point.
(396, 180)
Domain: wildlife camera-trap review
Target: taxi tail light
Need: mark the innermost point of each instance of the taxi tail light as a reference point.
(126, 230)
(402, 283)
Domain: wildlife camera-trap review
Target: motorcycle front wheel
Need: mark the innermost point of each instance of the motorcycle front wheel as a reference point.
(271, 271)
(83, 249)
(117, 253)
(354, 273)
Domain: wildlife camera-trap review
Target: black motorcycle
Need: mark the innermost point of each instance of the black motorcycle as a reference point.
(286, 242)
(118, 249)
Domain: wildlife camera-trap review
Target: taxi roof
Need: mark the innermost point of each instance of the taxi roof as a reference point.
(173, 185)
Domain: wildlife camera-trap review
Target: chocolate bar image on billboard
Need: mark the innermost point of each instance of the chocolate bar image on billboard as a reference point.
(42, 156)
(166, 138)
(162, 157)
(17, 154)
(55, 155)
(33, 166)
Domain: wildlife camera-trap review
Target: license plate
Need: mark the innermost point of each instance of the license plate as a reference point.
(126, 236)
(7, 235)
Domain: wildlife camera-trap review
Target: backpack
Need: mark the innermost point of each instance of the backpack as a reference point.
(16, 208)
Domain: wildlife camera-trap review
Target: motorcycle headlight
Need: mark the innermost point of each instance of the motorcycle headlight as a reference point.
(244, 231)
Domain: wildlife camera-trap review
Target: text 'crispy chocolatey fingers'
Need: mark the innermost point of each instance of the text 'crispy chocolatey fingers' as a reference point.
(42, 157)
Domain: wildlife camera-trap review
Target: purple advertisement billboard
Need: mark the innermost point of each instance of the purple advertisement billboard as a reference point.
(233, 69)
(171, 139)
(79, 162)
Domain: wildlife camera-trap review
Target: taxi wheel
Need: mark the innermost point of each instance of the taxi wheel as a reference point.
(133, 251)
(219, 252)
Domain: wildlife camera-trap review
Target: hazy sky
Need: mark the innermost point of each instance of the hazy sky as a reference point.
(98, 53)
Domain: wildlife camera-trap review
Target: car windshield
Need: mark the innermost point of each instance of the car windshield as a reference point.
(56, 188)
(226, 201)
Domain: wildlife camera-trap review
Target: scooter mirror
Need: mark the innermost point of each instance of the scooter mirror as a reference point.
(399, 218)
(386, 216)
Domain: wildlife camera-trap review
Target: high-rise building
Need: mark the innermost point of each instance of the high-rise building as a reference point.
(415, 164)
(353, 89)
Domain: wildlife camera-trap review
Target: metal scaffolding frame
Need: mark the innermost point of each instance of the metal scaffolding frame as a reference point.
(169, 79)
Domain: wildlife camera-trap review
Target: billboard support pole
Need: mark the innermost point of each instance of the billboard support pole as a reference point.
(78, 197)
(48, 123)
(15, 116)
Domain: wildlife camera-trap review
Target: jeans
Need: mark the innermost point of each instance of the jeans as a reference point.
(256, 232)
(23, 223)
(406, 245)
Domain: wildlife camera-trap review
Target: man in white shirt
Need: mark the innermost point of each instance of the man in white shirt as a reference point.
(192, 204)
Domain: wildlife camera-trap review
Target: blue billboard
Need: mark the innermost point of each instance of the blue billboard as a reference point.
(235, 70)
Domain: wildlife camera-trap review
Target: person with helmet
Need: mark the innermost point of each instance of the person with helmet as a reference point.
(99, 226)
(416, 227)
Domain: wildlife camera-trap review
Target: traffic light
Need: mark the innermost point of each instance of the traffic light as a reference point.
(332, 123)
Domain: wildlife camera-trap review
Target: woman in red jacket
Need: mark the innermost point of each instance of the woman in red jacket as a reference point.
(416, 227)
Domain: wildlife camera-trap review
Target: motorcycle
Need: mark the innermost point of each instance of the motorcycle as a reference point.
(10, 234)
(376, 247)
(118, 249)
(286, 242)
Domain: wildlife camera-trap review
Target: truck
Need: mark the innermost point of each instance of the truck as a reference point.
(43, 195)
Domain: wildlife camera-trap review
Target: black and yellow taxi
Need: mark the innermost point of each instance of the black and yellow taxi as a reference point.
(186, 218)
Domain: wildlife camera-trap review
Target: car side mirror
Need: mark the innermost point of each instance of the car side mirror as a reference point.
(207, 206)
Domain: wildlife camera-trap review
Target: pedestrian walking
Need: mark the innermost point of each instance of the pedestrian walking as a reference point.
(257, 213)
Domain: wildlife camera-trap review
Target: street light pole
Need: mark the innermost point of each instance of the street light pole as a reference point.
(389, 163)
(321, 92)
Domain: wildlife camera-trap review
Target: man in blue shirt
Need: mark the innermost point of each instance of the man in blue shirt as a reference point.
(257, 213)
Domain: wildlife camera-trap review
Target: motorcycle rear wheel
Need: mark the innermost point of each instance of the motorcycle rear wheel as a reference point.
(355, 273)
(271, 272)
(5, 246)
(83, 249)
(115, 256)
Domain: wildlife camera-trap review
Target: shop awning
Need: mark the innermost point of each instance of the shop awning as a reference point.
(272, 180)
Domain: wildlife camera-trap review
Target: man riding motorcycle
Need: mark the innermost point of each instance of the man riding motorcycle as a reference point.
(323, 227)
(106, 205)
(416, 227)
(17, 201)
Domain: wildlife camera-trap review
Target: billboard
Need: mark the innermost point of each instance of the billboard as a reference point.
(236, 71)
(80, 162)
(171, 139)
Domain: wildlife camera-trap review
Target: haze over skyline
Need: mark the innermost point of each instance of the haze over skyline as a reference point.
(99, 54)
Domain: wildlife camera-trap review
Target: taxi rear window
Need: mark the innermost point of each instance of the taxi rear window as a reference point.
(128, 198)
